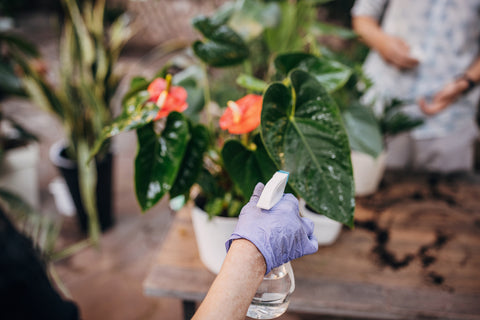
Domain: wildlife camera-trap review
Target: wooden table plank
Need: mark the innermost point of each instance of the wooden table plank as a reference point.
(415, 253)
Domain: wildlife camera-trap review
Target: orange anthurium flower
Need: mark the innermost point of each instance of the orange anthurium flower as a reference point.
(168, 98)
(243, 115)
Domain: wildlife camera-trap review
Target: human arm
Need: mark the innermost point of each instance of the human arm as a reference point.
(236, 284)
(452, 90)
(393, 50)
(262, 240)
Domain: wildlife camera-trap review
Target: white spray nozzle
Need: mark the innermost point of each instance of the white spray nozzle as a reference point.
(273, 191)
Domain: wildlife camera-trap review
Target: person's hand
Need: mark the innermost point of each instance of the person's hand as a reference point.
(280, 234)
(396, 52)
(443, 98)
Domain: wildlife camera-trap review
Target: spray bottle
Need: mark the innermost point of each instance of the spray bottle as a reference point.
(272, 297)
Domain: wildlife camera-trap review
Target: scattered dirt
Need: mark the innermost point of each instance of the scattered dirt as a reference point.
(384, 256)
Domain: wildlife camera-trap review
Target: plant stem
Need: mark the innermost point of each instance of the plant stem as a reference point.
(247, 65)
(245, 139)
(55, 278)
(71, 250)
(207, 97)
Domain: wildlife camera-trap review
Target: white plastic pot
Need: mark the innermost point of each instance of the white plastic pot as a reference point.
(367, 172)
(211, 235)
(19, 173)
(326, 230)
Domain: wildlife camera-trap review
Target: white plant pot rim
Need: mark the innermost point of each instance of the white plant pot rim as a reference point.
(326, 230)
(367, 172)
(211, 235)
(56, 158)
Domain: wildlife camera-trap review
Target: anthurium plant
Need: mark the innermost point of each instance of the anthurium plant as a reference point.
(280, 115)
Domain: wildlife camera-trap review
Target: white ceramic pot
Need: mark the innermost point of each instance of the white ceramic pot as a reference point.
(367, 172)
(326, 230)
(211, 235)
(19, 173)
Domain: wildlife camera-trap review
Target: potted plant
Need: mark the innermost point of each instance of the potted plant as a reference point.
(87, 82)
(284, 119)
(368, 128)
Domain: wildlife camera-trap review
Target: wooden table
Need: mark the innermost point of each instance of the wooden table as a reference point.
(414, 254)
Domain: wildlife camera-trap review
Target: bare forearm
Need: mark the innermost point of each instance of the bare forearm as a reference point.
(369, 31)
(393, 50)
(473, 72)
(236, 284)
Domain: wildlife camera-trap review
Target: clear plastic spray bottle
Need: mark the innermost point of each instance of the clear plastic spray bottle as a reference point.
(273, 295)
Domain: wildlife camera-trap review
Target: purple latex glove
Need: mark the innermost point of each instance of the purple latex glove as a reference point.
(280, 234)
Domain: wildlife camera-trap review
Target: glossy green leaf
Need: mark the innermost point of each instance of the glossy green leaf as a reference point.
(330, 73)
(222, 46)
(251, 83)
(363, 130)
(208, 184)
(399, 122)
(192, 163)
(395, 121)
(159, 158)
(265, 162)
(242, 166)
(303, 132)
(137, 84)
(136, 114)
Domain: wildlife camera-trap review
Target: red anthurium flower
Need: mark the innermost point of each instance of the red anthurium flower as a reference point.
(243, 115)
(168, 98)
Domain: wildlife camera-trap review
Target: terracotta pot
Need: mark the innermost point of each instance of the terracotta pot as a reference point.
(211, 235)
(326, 230)
(367, 172)
(19, 172)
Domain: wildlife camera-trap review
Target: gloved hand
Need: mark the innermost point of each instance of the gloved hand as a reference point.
(280, 234)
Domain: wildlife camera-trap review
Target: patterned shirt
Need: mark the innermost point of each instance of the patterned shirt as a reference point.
(444, 35)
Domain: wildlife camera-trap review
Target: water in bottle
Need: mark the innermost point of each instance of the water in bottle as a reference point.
(272, 297)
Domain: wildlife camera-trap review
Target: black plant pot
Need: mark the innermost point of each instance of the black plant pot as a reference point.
(69, 170)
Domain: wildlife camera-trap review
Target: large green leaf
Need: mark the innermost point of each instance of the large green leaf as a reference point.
(192, 163)
(242, 166)
(304, 135)
(137, 84)
(136, 114)
(222, 46)
(363, 130)
(330, 73)
(159, 158)
(395, 121)
(265, 162)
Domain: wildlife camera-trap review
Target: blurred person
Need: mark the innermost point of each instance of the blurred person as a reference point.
(261, 241)
(25, 289)
(427, 53)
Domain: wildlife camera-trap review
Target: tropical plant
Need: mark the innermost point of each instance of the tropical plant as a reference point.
(87, 82)
(13, 47)
(294, 126)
